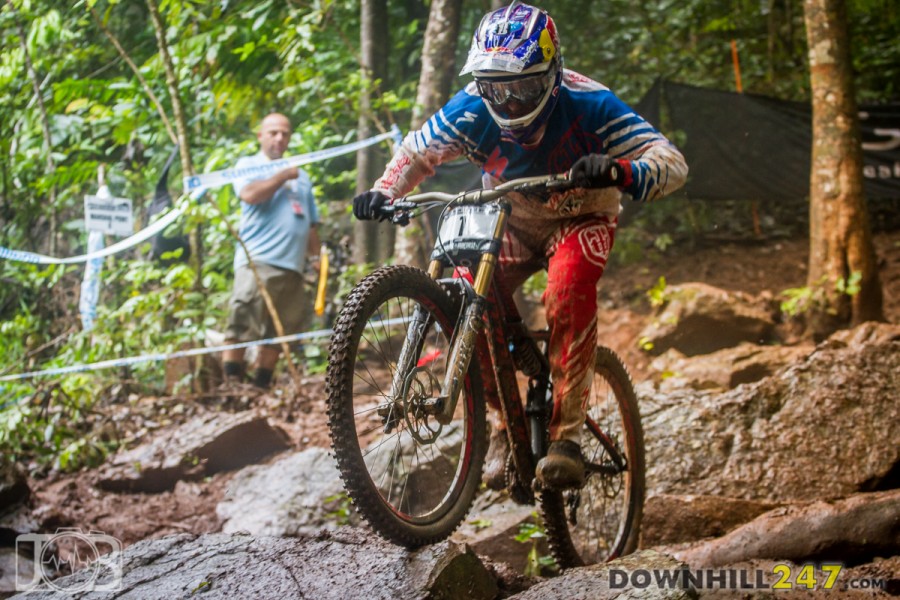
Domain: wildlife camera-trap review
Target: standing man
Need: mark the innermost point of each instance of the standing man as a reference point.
(278, 227)
(526, 115)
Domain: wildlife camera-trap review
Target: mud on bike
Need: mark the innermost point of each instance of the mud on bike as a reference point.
(406, 394)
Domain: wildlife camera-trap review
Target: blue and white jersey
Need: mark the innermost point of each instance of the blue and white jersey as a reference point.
(588, 118)
(276, 231)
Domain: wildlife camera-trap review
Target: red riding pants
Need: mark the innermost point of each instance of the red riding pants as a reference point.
(575, 257)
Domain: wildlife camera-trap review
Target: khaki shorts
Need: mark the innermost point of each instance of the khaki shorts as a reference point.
(249, 319)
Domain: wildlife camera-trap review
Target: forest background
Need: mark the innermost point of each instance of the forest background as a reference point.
(71, 102)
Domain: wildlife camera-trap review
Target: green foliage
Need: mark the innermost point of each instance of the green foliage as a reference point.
(849, 286)
(800, 300)
(658, 295)
(340, 508)
(315, 358)
(535, 285)
(53, 425)
(538, 564)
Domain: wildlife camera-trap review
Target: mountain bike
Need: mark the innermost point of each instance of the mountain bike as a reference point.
(406, 393)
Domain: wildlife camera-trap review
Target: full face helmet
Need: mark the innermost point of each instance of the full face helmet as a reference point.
(517, 66)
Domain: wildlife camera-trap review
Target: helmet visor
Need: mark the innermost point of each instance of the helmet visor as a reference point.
(516, 97)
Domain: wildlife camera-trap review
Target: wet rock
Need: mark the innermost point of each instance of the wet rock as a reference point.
(344, 564)
(450, 571)
(853, 530)
(299, 494)
(200, 447)
(866, 333)
(727, 368)
(16, 568)
(614, 579)
(787, 437)
(700, 319)
(491, 530)
(675, 519)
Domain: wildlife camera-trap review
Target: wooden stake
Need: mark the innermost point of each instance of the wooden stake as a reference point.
(754, 205)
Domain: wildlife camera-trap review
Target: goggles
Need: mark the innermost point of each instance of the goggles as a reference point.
(527, 92)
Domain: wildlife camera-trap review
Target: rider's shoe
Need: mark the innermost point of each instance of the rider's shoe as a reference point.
(495, 461)
(563, 467)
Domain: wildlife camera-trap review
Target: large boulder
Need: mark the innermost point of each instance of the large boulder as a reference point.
(200, 447)
(726, 368)
(699, 319)
(824, 427)
(492, 527)
(298, 494)
(676, 519)
(344, 564)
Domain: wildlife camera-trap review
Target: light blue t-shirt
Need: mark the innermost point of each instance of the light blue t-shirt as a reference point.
(276, 231)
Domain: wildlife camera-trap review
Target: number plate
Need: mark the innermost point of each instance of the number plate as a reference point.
(468, 224)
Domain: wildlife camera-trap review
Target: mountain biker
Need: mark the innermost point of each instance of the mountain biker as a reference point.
(525, 115)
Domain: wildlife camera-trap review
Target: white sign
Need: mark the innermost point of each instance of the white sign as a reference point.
(108, 215)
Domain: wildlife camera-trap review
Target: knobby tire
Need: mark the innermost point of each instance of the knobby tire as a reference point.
(411, 493)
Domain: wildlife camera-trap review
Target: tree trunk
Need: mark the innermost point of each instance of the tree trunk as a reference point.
(438, 70)
(860, 526)
(184, 145)
(369, 236)
(200, 381)
(841, 249)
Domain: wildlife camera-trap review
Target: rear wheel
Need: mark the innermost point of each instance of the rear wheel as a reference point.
(410, 477)
(601, 521)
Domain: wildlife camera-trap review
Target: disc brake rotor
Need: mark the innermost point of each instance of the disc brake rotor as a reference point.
(420, 385)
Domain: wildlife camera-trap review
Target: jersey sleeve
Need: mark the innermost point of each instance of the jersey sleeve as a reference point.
(454, 131)
(657, 166)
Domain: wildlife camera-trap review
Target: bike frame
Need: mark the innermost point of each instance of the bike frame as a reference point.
(488, 325)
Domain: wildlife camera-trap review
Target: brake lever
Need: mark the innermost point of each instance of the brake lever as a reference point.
(394, 214)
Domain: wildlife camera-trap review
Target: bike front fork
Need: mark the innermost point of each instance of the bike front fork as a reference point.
(470, 326)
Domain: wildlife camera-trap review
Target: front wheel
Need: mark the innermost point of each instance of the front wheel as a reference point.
(411, 478)
(601, 521)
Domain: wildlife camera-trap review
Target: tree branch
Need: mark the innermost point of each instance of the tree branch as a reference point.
(115, 42)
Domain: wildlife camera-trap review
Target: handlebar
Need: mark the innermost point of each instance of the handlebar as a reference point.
(402, 209)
